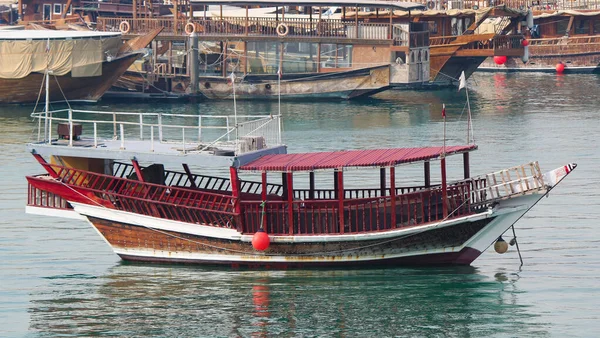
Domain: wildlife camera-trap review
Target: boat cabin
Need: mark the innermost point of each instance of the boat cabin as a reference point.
(48, 11)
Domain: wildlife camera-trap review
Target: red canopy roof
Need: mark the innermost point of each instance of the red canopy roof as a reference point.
(350, 158)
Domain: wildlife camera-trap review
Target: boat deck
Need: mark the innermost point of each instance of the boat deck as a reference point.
(213, 141)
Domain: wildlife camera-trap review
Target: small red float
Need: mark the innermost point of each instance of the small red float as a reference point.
(560, 68)
(525, 43)
(500, 59)
(260, 240)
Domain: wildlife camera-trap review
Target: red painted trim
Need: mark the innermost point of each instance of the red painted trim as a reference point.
(235, 193)
(44, 164)
(444, 188)
(264, 198)
(340, 175)
(393, 195)
(138, 170)
(290, 197)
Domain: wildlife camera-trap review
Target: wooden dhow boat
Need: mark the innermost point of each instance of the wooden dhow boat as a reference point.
(84, 64)
(119, 172)
(562, 41)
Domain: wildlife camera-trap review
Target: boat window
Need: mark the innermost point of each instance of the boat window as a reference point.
(328, 55)
(433, 27)
(36, 8)
(70, 9)
(596, 26)
(57, 8)
(412, 57)
(582, 26)
(454, 26)
(300, 57)
(561, 26)
(426, 56)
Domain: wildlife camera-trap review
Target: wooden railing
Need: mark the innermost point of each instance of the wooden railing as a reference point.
(498, 43)
(241, 26)
(207, 204)
(45, 199)
(169, 202)
(317, 217)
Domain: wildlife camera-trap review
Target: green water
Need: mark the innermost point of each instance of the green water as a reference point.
(58, 278)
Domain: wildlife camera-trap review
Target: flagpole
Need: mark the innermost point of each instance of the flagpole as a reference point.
(468, 117)
(235, 121)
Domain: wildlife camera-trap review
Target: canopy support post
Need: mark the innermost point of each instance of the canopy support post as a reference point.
(393, 195)
(340, 190)
(427, 170)
(444, 188)
(264, 197)
(311, 183)
(235, 193)
(290, 200)
(382, 181)
(466, 165)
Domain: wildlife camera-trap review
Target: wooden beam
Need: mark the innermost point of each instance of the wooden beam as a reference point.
(188, 172)
(66, 9)
(570, 25)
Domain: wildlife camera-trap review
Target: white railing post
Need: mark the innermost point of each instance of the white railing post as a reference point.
(70, 127)
(227, 122)
(199, 128)
(122, 136)
(141, 127)
(160, 131)
(183, 139)
(95, 135)
(152, 138)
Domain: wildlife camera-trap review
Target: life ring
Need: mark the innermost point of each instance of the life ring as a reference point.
(190, 28)
(430, 4)
(282, 29)
(124, 27)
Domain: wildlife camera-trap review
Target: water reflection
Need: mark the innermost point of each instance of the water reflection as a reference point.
(144, 300)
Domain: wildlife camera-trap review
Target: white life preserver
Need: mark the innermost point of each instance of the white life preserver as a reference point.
(124, 27)
(282, 29)
(430, 4)
(190, 28)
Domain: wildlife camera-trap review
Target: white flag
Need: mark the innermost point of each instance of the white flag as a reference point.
(462, 81)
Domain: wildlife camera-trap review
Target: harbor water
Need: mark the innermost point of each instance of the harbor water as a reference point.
(59, 278)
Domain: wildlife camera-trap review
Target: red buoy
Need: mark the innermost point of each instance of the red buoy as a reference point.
(260, 240)
(560, 68)
(524, 42)
(500, 59)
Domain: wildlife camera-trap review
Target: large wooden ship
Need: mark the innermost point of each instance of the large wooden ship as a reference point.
(302, 39)
(84, 65)
(558, 41)
(154, 200)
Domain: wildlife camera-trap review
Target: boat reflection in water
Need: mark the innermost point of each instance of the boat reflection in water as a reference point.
(142, 300)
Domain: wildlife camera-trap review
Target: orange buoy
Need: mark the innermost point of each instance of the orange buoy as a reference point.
(501, 246)
(560, 68)
(260, 240)
(500, 59)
